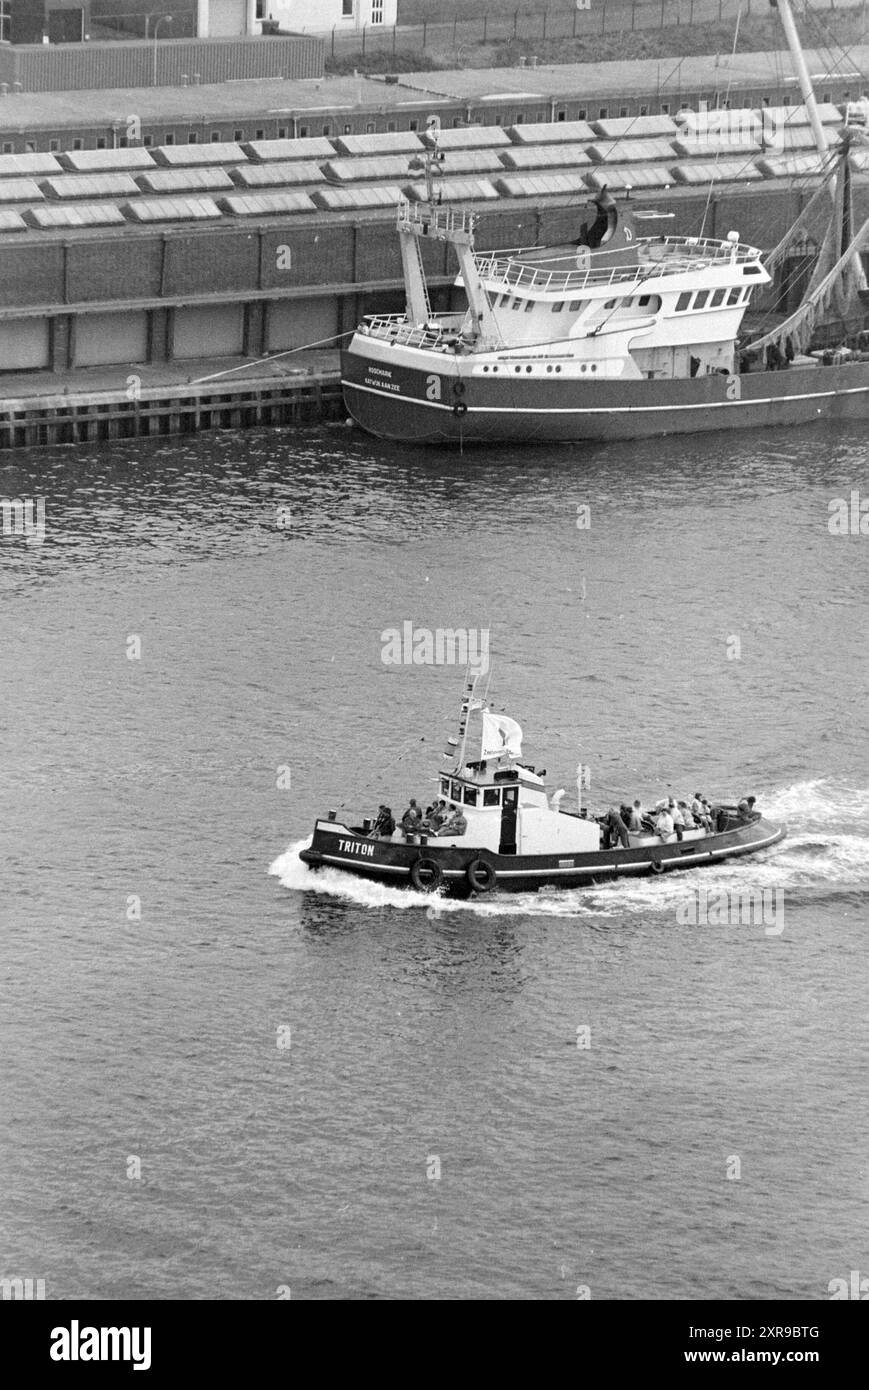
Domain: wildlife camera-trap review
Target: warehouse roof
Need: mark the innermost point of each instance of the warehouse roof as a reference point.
(689, 74)
(269, 96)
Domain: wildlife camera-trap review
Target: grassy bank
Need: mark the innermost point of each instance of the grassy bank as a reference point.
(756, 35)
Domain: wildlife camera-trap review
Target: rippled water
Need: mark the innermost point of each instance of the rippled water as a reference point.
(152, 963)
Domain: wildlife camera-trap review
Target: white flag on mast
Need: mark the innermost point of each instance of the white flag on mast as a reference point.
(500, 735)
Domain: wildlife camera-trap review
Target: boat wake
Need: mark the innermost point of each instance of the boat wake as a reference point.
(825, 856)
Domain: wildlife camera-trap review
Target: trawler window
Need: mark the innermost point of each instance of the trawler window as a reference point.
(516, 304)
(733, 297)
(557, 308)
(456, 792)
(469, 796)
(700, 299)
(574, 305)
(682, 302)
(610, 304)
(529, 305)
(746, 295)
(717, 298)
(445, 786)
(644, 299)
(491, 796)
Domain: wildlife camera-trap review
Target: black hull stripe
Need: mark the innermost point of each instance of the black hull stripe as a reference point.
(609, 409)
(504, 874)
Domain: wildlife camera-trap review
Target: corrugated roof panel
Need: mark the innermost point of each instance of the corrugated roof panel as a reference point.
(20, 191)
(262, 204)
(716, 171)
(116, 185)
(550, 132)
(12, 165)
(310, 147)
(540, 185)
(472, 137)
(365, 196)
(794, 137)
(389, 142)
(12, 222)
(545, 157)
(449, 190)
(474, 161)
(184, 180)
(274, 175)
(102, 161)
(792, 166)
(634, 176)
(393, 166)
(172, 209)
(181, 156)
(636, 127)
(798, 115)
(689, 148)
(76, 215)
(630, 151)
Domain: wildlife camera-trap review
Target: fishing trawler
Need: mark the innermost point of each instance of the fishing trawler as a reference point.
(615, 336)
(494, 827)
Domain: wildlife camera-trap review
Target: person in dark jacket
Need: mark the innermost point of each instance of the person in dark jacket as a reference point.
(615, 830)
(384, 826)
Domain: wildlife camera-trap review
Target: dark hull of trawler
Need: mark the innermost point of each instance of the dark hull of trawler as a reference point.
(458, 871)
(395, 402)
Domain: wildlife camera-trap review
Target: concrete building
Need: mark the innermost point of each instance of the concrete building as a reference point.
(322, 16)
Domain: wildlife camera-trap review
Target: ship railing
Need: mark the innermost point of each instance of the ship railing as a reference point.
(396, 329)
(430, 217)
(677, 254)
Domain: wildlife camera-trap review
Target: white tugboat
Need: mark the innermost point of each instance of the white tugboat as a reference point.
(492, 825)
(616, 336)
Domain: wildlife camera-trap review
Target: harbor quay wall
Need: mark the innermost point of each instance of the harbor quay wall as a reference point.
(114, 296)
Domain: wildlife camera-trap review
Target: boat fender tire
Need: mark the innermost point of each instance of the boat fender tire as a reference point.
(460, 408)
(481, 876)
(426, 875)
(657, 866)
(458, 388)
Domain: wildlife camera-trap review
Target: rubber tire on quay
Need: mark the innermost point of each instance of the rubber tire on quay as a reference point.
(433, 871)
(481, 876)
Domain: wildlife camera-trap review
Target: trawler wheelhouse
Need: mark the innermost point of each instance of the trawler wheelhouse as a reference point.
(652, 307)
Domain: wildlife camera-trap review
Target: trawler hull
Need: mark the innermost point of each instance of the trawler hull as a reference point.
(458, 873)
(391, 397)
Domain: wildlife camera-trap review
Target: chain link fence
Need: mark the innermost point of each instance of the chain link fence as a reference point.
(582, 19)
